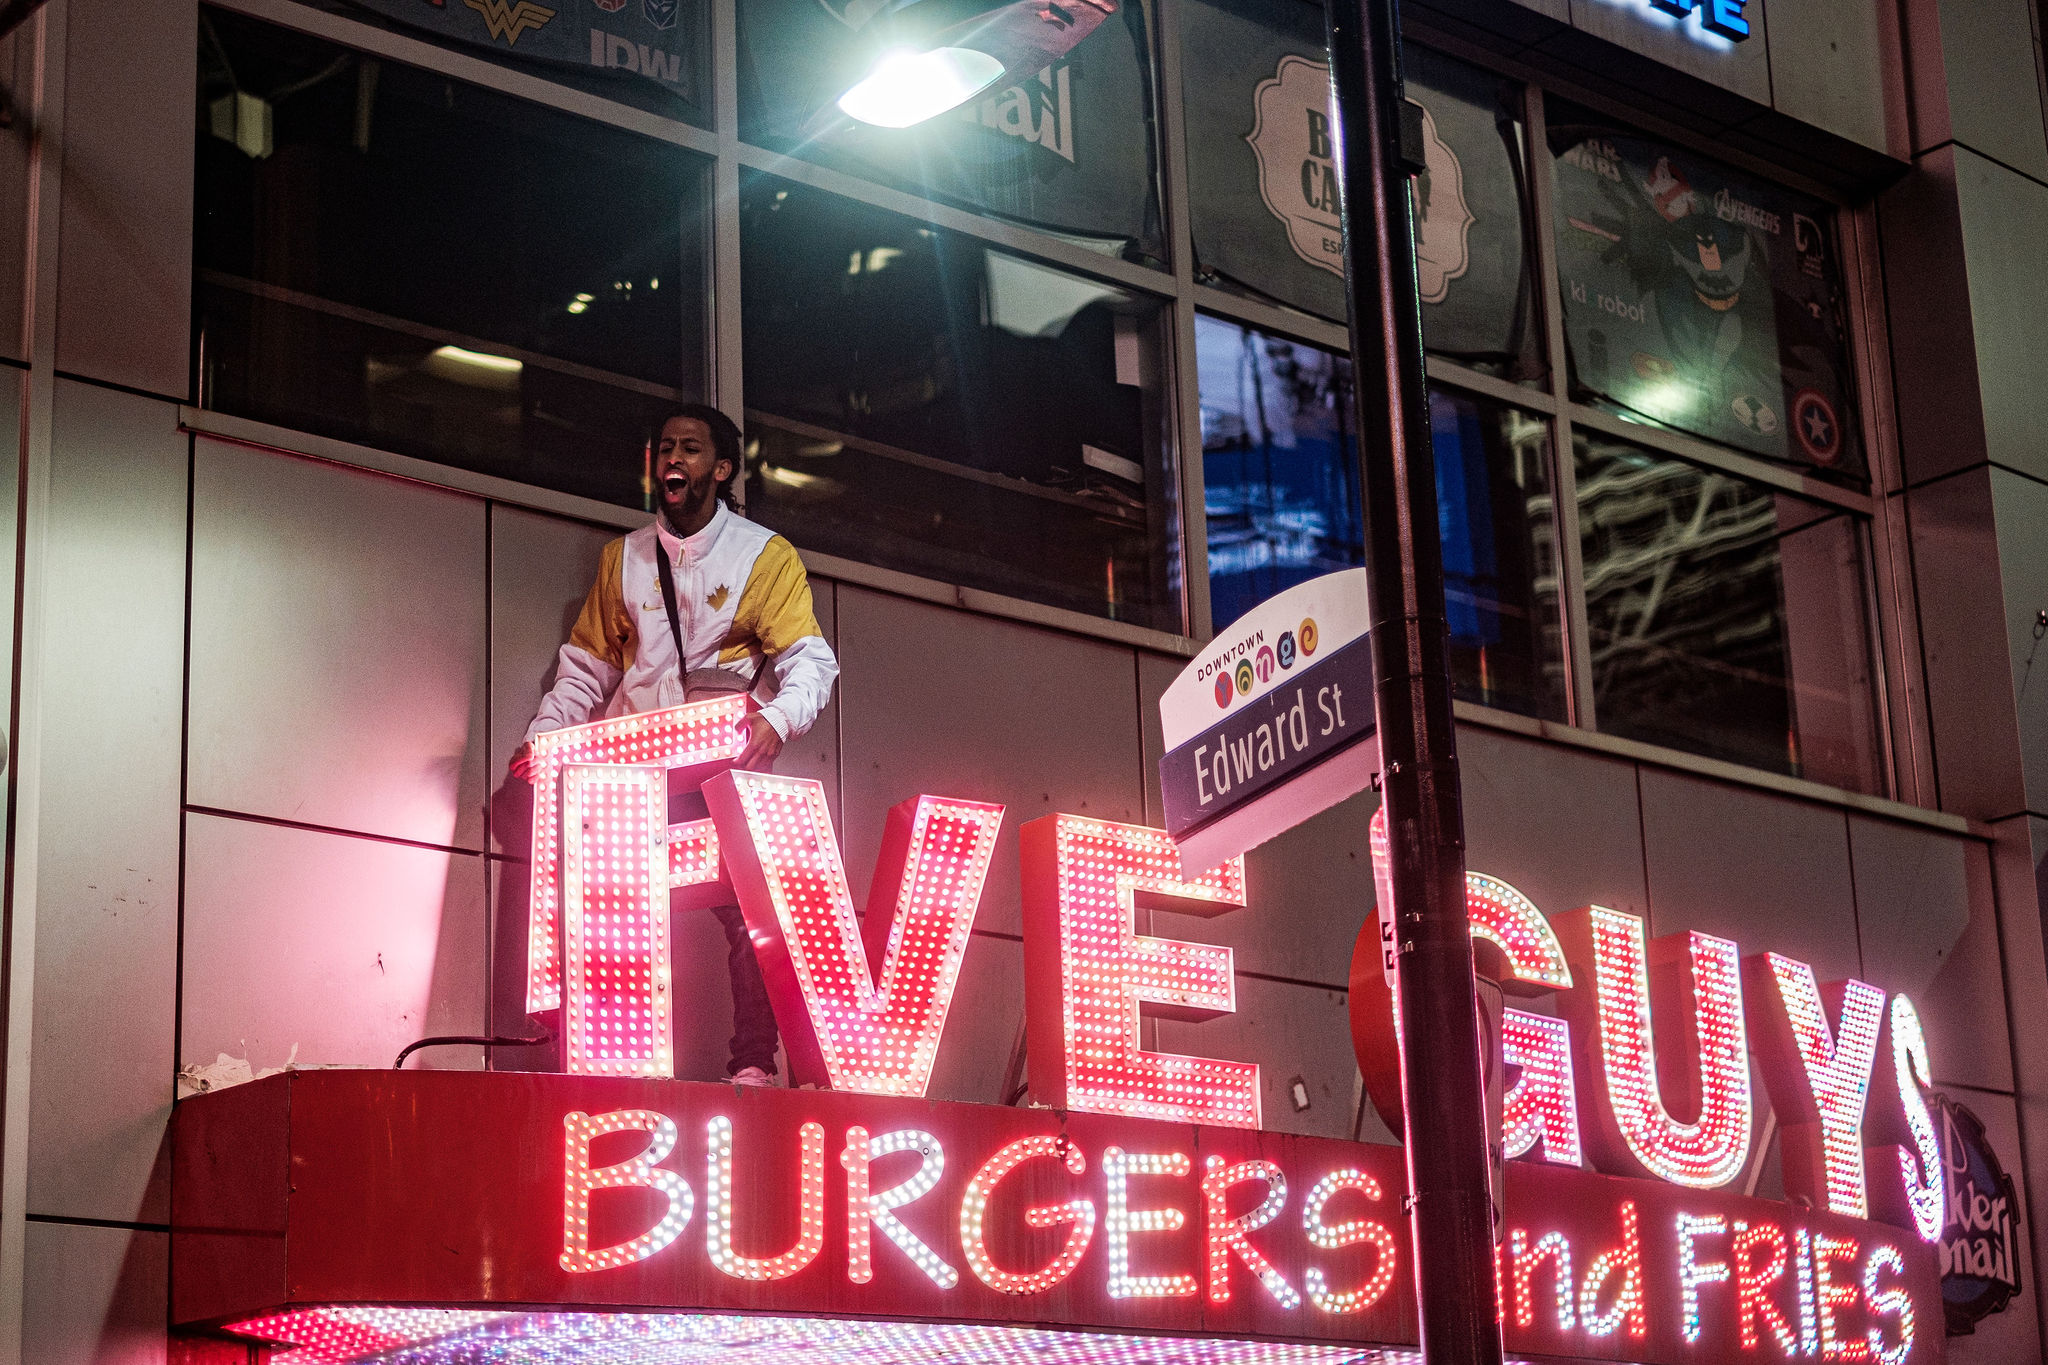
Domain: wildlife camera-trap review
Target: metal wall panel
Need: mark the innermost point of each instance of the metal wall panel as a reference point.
(541, 570)
(943, 702)
(1742, 69)
(95, 1296)
(327, 948)
(2005, 232)
(112, 670)
(1156, 673)
(1940, 411)
(1827, 67)
(1289, 1031)
(1309, 894)
(981, 1028)
(337, 648)
(1560, 10)
(1928, 924)
(124, 285)
(1973, 722)
(1766, 871)
(815, 753)
(1560, 824)
(2014, 1335)
(2020, 509)
(1993, 90)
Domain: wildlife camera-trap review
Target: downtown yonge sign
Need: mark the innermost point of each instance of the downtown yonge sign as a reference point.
(1139, 1193)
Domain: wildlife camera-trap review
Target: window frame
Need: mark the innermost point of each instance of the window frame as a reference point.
(1904, 760)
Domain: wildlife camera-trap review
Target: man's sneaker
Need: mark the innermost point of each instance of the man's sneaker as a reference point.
(752, 1075)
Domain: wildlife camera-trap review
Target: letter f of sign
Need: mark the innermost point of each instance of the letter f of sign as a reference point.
(861, 1007)
(604, 860)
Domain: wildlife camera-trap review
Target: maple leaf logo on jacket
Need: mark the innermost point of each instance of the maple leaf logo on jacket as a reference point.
(717, 599)
(508, 20)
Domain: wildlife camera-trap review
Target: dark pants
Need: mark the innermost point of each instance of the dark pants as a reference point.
(753, 1019)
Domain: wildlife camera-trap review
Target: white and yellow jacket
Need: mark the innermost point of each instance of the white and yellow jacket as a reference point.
(741, 597)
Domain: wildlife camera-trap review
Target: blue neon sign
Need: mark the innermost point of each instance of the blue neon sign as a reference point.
(1723, 17)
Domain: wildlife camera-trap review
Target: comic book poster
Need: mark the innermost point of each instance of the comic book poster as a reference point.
(1702, 299)
(656, 40)
(1067, 148)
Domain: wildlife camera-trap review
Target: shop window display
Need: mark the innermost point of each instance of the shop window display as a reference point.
(1280, 476)
(1702, 299)
(923, 402)
(391, 257)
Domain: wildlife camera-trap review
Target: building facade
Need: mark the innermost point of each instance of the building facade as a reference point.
(331, 335)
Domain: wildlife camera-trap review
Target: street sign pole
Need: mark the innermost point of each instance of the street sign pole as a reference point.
(1451, 1219)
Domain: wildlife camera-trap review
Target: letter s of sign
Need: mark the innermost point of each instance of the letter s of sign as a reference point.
(580, 1179)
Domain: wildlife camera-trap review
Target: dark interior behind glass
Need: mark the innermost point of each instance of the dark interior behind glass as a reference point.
(388, 256)
(1726, 618)
(1280, 483)
(922, 402)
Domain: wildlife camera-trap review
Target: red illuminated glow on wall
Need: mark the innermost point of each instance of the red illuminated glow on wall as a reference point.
(677, 1196)
(863, 1004)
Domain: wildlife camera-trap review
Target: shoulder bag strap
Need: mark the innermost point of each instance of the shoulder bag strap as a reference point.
(668, 599)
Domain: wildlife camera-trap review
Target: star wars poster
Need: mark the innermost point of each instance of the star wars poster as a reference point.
(1263, 180)
(1701, 299)
(1066, 148)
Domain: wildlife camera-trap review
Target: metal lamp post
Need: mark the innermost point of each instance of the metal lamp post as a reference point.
(1451, 1209)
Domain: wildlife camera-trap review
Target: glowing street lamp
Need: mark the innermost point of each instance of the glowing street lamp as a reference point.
(919, 79)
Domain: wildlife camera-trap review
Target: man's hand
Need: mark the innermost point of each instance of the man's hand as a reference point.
(763, 744)
(523, 766)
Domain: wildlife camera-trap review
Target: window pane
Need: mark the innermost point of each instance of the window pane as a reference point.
(395, 258)
(1263, 184)
(925, 403)
(1726, 618)
(646, 53)
(1495, 511)
(1068, 148)
(1279, 471)
(1702, 299)
(1279, 465)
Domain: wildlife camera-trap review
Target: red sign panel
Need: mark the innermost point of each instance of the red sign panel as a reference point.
(497, 1191)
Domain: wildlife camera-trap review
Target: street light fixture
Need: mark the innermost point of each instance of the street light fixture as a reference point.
(935, 60)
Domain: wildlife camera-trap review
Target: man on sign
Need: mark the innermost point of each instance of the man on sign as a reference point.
(702, 601)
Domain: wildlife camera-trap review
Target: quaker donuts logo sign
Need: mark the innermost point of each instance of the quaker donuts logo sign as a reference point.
(1980, 1245)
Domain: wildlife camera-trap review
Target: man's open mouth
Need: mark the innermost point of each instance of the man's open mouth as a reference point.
(674, 483)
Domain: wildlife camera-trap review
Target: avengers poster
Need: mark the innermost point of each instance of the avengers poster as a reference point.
(1702, 299)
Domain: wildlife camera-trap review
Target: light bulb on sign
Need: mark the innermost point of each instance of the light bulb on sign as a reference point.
(1332, 1238)
(974, 1217)
(581, 1179)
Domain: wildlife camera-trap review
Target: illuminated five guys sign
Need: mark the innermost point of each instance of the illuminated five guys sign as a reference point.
(1127, 1201)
